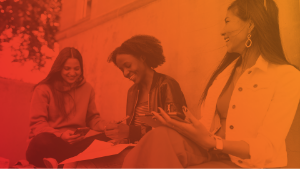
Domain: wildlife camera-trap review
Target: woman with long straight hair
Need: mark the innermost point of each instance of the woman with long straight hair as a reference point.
(60, 104)
(247, 107)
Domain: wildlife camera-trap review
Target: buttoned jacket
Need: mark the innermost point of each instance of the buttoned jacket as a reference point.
(261, 110)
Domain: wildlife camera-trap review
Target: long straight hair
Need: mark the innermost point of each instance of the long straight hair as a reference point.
(265, 33)
(54, 79)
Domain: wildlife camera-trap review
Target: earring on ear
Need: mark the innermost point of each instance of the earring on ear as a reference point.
(249, 41)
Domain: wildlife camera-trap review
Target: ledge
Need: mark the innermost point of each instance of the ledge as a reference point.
(83, 26)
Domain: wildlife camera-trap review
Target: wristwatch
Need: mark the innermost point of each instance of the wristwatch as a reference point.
(219, 143)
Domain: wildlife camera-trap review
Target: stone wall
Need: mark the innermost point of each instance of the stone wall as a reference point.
(189, 32)
(188, 29)
(14, 118)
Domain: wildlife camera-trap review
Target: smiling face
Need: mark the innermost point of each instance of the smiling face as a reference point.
(133, 68)
(71, 71)
(235, 32)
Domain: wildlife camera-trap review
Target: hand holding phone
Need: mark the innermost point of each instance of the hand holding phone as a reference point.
(82, 131)
(174, 112)
(70, 137)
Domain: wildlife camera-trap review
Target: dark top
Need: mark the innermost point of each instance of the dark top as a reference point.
(165, 92)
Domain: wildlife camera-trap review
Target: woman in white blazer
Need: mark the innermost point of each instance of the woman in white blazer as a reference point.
(247, 106)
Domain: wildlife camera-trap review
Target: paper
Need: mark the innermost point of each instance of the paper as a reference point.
(92, 133)
(4, 163)
(98, 149)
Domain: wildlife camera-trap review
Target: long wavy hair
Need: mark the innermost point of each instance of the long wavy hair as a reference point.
(265, 34)
(55, 81)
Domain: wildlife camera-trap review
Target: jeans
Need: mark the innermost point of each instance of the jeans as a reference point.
(47, 145)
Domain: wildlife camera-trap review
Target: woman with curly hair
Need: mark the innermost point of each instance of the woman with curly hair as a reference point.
(136, 58)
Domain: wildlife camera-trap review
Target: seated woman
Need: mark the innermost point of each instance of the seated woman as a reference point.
(136, 58)
(247, 106)
(60, 104)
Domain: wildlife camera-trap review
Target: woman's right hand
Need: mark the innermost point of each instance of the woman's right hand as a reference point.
(70, 137)
(117, 131)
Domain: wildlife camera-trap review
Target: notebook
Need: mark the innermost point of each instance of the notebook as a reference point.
(98, 149)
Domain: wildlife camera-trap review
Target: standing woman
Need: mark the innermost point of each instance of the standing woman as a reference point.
(136, 58)
(247, 107)
(60, 104)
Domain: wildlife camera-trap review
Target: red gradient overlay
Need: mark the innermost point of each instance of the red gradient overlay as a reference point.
(189, 31)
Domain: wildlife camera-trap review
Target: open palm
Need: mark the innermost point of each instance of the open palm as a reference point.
(192, 128)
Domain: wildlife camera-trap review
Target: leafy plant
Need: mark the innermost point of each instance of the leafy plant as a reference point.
(35, 23)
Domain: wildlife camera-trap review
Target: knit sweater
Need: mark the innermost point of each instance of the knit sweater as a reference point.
(79, 104)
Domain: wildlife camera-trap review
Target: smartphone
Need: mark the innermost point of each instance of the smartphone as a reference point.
(82, 131)
(174, 112)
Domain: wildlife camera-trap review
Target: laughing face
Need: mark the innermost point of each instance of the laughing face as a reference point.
(235, 32)
(133, 68)
(71, 71)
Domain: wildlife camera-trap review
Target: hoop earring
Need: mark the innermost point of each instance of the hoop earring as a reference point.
(249, 41)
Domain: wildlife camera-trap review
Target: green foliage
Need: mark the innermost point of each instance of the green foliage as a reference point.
(35, 22)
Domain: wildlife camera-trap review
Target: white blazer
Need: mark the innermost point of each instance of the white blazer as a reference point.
(261, 111)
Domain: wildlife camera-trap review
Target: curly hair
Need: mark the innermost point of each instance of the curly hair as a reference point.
(141, 46)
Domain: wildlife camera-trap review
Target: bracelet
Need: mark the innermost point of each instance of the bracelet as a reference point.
(219, 143)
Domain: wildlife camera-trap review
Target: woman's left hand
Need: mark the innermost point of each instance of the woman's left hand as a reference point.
(192, 129)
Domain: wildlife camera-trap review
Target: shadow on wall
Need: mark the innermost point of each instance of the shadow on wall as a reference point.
(14, 118)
